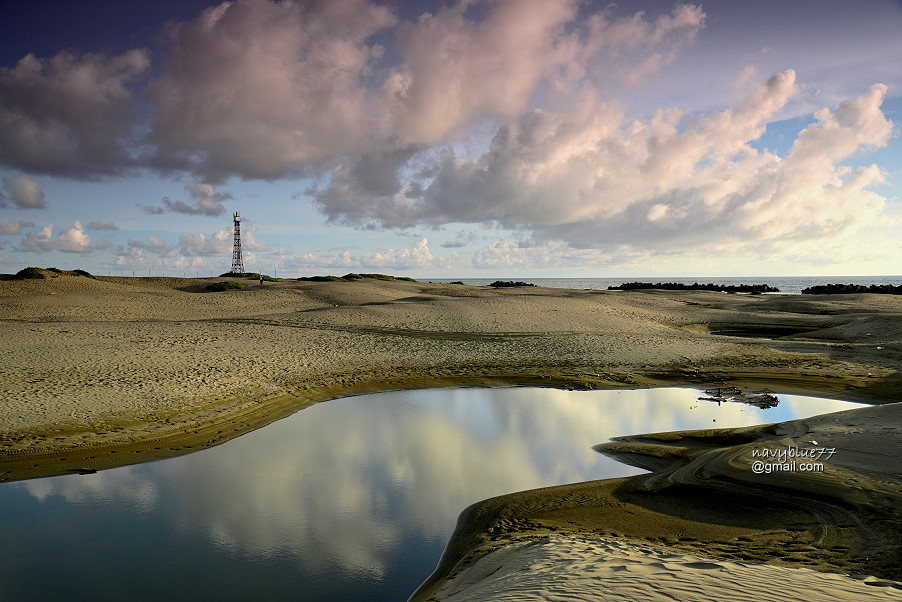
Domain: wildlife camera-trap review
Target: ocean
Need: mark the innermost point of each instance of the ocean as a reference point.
(788, 285)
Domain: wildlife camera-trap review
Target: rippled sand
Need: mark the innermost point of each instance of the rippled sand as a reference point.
(565, 567)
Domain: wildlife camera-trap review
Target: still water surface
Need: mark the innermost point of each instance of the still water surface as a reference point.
(352, 499)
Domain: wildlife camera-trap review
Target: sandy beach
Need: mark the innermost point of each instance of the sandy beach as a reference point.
(110, 371)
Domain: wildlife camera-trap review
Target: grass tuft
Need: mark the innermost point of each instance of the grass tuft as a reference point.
(226, 285)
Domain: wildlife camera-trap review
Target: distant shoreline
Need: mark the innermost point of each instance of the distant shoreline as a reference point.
(788, 285)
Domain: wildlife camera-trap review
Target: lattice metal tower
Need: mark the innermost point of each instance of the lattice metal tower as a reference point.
(237, 261)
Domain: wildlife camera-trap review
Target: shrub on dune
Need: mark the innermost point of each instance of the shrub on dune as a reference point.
(30, 272)
(226, 285)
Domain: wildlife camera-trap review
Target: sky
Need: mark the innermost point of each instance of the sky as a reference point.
(446, 139)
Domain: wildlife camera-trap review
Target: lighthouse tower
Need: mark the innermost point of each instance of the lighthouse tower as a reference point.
(237, 261)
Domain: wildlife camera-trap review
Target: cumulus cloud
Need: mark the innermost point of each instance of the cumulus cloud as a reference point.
(154, 244)
(14, 226)
(24, 192)
(249, 239)
(458, 69)
(141, 256)
(219, 243)
(340, 259)
(261, 88)
(207, 201)
(72, 240)
(139, 253)
(70, 114)
(592, 178)
(189, 251)
(415, 256)
(637, 47)
(264, 89)
(440, 126)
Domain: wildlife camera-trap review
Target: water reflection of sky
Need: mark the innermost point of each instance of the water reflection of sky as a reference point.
(350, 499)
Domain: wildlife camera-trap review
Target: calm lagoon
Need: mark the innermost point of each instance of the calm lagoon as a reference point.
(353, 499)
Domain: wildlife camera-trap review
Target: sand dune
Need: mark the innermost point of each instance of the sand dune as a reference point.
(98, 373)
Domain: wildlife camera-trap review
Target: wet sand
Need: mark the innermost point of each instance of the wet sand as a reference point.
(105, 372)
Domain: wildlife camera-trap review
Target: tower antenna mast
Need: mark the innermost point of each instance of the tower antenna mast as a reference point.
(237, 261)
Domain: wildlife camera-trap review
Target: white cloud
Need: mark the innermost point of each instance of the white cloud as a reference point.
(457, 70)
(13, 227)
(216, 245)
(262, 88)
(73, 240)
(342, 259)
(154, 245)
(249, 240)
(139, 258)
(591, 178)
(658, 212)
(415, 256)
(393, 118)
(220, 243)
(508, 254)
(190, 251)
(68, 115)
(25, 192)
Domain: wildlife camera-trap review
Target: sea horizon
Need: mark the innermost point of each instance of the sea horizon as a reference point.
(787, 284)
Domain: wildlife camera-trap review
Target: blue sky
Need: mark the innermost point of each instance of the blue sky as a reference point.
(452, 139)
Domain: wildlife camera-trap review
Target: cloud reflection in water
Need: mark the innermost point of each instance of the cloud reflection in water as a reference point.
(344, 487)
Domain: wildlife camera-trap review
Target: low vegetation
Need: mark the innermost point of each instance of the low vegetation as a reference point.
(353, 276)
(508, 283)
(846, 289)
(679, 286)
(26, 273)
(321, 279)
(35, 273)
(250, 276)
(225, 285)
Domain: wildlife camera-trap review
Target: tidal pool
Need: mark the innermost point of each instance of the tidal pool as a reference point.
(353, 499)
